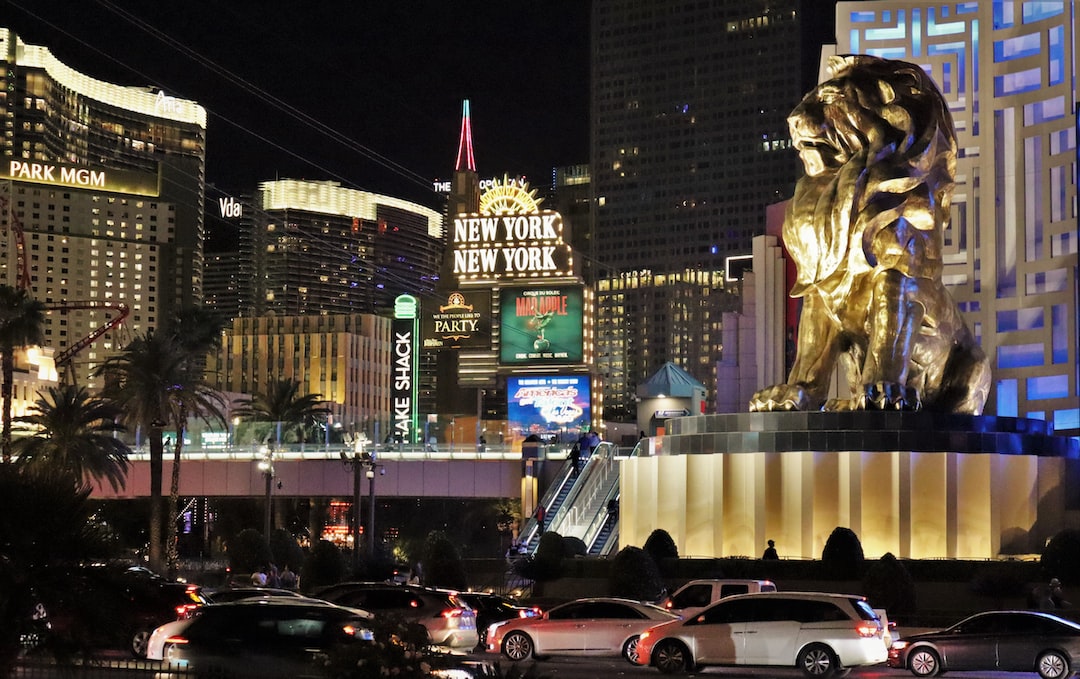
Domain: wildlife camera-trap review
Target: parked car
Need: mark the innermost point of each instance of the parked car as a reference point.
(280, 637)
(697, 594)
(493, 608)
(595, 626)
(117, 607)
(1002, 641)
(450, 621)
(820, 634)
(223, 596)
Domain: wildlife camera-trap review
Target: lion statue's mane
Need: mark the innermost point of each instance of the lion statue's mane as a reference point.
(865, 230)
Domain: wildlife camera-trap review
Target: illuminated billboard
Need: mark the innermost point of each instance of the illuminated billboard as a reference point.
(538, 404)
(541, 324)
(509, 237)
(461, 321)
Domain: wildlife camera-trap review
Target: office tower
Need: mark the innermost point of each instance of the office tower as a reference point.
(1008, 71)
(689, 144)
(104, 185)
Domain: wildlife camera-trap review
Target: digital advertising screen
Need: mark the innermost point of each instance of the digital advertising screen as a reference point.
(541, 324)
(544, 403)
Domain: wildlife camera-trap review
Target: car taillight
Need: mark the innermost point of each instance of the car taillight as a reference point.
(184, 611)
(868, 629)
(452, 613)
(175, 640)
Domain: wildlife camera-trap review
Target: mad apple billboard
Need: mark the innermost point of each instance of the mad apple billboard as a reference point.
(541, 324)
(543, 403)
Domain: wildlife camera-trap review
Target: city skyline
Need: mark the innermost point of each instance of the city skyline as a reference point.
(368, 96)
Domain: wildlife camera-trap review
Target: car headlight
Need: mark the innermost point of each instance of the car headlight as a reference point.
(899, 645)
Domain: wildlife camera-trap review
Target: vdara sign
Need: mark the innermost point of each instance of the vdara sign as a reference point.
(77, 176)
(509, 238)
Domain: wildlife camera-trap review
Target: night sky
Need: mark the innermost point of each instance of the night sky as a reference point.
(364, 92)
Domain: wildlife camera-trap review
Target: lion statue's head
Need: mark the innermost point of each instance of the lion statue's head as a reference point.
(873, 138)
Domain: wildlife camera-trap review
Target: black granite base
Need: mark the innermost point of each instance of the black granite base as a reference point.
(868, 431)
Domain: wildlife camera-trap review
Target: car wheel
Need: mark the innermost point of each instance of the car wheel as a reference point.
(671, 657)
(924, 662)
(817, 660)
(140, 639)
(1052, 665)
(517, 646)
(629, 650)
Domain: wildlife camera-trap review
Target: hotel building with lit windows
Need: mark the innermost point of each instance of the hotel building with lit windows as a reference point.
(104, 184)
(316, 247)
(689, 143)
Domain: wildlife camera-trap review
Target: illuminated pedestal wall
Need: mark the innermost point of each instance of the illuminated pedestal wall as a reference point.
(914, 484)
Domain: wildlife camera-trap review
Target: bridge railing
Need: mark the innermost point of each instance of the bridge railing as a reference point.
(311, 451)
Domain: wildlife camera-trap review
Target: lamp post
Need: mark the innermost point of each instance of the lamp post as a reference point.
(363, 463)
(266, 466)
(369, 466)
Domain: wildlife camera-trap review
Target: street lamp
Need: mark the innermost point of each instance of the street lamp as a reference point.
(363, 463)
(266, 466)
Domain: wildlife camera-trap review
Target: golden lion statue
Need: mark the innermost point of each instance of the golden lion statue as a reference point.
(865, 230)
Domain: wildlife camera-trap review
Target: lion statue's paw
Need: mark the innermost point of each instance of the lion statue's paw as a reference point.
(780, 397)
(842, 405)
(891, 396)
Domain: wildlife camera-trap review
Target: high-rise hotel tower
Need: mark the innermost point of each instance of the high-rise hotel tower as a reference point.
(103, 184)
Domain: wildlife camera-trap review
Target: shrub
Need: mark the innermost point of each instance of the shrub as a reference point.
(442, 563)
(574, 547)
(323, 566)
(546, 563)
(842, 556)
(634, 575)
(1061, 557)
(286, 550)
(248, 551)
(998, 581)
(659, 545)
(888, 585)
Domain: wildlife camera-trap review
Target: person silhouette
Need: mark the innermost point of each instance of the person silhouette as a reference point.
(770, 552)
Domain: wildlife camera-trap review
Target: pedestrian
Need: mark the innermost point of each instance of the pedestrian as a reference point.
(613, 508)
(273, 578)
(258, 578)
(1057, 596)
(540, 514)
(770, 552)
(288, 578)
(575, 458)
(593, 441)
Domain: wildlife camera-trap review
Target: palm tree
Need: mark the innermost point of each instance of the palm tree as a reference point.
(195, 331)
(155, 384)
(75, 436)
(283, 405)
(22, 323)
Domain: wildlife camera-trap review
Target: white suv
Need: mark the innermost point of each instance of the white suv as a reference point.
(821, 634)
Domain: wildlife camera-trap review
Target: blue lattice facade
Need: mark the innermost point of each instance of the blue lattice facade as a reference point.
(1008, 70)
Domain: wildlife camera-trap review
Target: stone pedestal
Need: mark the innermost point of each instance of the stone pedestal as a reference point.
(919, 485)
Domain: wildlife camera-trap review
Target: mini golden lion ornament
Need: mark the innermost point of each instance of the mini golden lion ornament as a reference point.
(865, 229)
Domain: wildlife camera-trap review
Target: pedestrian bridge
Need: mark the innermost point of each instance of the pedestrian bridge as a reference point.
(328, 471)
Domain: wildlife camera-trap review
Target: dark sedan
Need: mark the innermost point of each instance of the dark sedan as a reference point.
(1003, 641)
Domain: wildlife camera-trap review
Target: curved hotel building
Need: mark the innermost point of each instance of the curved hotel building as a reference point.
(104, 184)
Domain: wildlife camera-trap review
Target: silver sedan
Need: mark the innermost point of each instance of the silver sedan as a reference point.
(595, 626)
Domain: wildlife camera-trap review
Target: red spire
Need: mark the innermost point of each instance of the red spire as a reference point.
(464, 151)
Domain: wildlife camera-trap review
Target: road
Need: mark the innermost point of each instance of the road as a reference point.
(555, 668)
